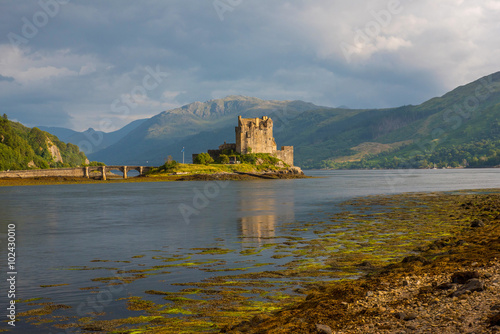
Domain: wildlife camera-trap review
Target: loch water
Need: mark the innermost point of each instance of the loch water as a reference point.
(118, 226)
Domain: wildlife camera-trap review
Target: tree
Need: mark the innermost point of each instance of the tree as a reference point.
(203, 159)
(171, 163)
(224, 159)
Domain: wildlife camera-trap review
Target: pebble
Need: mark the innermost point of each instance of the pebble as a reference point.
(495, 319)
(472, 285)
(446, 286)
(400, 315)
(477, 223)
(323, 329)
(406, 316)
(462, 277)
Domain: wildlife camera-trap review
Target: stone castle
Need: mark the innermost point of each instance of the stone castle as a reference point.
(255, 135)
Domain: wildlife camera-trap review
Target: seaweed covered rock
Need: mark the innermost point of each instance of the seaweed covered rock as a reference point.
(462, 277)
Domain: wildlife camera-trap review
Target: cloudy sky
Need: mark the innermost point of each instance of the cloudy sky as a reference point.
(102, 64)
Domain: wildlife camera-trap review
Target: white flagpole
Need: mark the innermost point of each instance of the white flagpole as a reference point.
(183, 155)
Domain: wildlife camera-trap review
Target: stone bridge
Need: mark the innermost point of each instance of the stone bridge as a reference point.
(74, 172)
(124, 169)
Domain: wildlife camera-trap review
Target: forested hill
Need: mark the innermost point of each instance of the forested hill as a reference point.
(458, 129)
(24, 148)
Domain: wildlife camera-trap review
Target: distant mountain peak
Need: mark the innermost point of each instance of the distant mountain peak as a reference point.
(231, 104)
(236, 97)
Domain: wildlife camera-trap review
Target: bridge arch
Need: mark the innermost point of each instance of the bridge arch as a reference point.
(124, 169)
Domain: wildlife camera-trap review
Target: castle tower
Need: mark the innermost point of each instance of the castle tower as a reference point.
(255, 133)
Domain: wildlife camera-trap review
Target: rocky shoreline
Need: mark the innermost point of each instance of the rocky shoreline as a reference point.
(449, 286)
(288, 173)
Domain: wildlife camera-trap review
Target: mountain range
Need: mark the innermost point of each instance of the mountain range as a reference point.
(197, 127)
(460, 128)
(91, 140)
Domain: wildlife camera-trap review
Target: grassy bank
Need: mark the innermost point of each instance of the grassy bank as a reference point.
(178, 168)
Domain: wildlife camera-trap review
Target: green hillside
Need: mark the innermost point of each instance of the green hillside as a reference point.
(461, 128)
(25, 148)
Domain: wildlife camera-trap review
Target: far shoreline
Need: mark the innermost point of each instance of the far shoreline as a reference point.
(173, 177)
(41, 181)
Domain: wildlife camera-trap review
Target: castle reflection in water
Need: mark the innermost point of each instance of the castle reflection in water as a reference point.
(263, 211)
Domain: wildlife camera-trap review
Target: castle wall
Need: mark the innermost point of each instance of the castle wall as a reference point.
(227, 147)
(223, 149)
(286, 154)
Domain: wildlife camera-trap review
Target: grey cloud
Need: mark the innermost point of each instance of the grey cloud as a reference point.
(275, 50)
(36, 114)
(4, 78)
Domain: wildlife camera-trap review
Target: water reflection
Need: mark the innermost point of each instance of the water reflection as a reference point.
(262, 210)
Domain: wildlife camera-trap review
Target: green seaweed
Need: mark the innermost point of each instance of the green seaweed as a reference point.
(215, 250)
(53, 285)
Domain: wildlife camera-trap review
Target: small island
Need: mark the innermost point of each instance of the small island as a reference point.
(254, 154)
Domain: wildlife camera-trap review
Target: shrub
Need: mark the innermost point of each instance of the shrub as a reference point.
(249, 158)
(165, 168)
(224, 159)
(170, 164)
(203, 159)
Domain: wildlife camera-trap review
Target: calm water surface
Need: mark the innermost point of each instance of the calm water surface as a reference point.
(66, 226)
